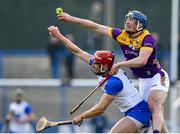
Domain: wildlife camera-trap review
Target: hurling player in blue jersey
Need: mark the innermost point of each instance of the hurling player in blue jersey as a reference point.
(140, 50)
(20, 115)
(118, 89)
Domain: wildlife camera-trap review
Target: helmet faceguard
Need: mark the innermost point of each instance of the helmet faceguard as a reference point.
(139, 17)
(103, 61)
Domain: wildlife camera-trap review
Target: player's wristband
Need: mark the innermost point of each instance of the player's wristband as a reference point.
(91, 61)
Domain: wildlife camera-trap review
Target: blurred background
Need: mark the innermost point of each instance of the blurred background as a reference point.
(52, 79)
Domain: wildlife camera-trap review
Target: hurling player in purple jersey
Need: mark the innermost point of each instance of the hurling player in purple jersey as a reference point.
(139, 49)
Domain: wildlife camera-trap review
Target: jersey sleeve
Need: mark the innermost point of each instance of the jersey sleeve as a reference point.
(149, 43)
(28, 109)
(114, 32)
(113, 86)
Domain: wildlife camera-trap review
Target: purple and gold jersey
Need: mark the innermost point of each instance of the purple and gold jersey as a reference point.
(131, 48)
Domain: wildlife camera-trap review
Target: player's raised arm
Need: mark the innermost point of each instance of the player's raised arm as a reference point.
(85, 23)
(54, 31)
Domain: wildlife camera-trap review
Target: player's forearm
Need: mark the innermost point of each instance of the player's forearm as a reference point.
(9, 117)
(69, 45)
(134, 63)
(84, 56)
(86, 23)
(94, 111)
(30, 118)
(102, 29)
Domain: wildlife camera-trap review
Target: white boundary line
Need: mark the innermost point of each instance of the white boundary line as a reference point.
(52, 82)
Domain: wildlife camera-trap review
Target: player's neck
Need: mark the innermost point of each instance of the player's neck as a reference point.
(106, 74)
(136, 34)
(18, 102)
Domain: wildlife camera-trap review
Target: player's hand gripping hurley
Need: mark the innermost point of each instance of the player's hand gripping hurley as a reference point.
(99, 85)
(43, 123)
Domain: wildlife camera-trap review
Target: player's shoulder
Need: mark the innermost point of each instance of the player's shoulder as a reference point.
(115, 32)
(149, 41)
(148, 35)
(13, 105)
(25, 103)
(113, 78)
(115, 29)
(113, 86)
(114, 81)
(120, 73)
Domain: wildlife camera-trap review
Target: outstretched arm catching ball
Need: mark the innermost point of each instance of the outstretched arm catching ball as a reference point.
(85, 23)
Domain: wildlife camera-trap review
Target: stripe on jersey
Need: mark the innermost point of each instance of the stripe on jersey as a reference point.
(147, 48)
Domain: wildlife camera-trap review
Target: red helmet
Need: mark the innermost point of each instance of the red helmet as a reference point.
(105, 59)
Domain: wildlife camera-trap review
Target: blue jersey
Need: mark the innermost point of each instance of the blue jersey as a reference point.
(20, 112)
(127, 96)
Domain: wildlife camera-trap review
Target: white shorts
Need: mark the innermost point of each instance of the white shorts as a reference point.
(157, 82)
(138, 123)
(140, 127)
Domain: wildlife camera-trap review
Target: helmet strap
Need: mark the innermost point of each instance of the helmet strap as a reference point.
(101, 71)
(137, 28)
